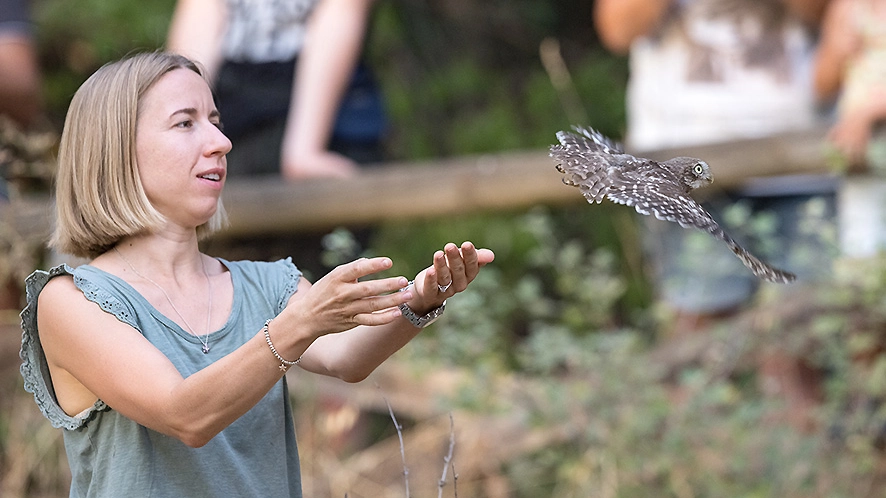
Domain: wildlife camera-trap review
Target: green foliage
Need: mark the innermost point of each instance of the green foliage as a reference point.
(544, 286)
(76, 38)
(849, 341)
(459, 86)
(486, 110)
(602, 80)
(547, 312)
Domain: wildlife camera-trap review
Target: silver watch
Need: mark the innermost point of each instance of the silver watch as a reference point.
(420, 321)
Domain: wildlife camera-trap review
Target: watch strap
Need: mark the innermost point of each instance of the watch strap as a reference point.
(420, 321)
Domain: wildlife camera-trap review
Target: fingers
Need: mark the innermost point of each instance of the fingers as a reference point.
(343, 300)
(345, 305)
(350, 272)
(373, 288)
(471, 261)
(340, 300)
(455, 267)
(383, 297)
(376, 302)
(441, 275)
(378, 318)
(485, 256)
(345, 286)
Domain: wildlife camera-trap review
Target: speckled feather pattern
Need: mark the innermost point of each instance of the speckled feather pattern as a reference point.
(599, 168)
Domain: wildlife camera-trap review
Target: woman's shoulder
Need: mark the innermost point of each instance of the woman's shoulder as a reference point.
(276, 280)
(59, 288)
(50, 284)
(252, 267)
(62, 289)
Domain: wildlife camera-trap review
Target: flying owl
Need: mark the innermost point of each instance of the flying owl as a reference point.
(600, 168)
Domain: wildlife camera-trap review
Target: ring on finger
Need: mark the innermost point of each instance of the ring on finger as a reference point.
(444, 288)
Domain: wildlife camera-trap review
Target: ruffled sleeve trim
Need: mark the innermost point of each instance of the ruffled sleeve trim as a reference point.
(293, 276)
(35, 369)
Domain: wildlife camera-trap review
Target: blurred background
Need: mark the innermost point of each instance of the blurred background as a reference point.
(557, 373)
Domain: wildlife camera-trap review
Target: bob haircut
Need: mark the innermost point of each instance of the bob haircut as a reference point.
(99, 195)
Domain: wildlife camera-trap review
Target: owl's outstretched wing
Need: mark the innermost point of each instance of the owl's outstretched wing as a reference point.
(599, 167)
(668, 203)
(591, 139)
(586, 158)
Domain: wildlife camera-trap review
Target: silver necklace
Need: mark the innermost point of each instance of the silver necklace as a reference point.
(204, 340)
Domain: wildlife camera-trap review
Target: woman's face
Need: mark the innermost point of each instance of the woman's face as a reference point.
(180, 148)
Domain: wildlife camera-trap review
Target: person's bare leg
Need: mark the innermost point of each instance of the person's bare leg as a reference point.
(20, 93)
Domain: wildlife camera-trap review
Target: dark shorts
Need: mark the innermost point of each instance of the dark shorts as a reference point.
(15, 18)
(254, 100)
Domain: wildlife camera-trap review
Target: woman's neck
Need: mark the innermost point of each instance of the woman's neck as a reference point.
(161, 255)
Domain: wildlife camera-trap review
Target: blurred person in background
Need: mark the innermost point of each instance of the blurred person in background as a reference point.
(21, 103)
(708, 71)
(20, 93)
(289, 78)
(850, 69)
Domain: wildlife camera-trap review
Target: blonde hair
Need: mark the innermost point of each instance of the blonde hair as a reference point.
(99, 196)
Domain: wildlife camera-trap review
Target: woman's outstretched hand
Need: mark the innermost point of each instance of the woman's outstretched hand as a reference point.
(453, 269)
(341, 301)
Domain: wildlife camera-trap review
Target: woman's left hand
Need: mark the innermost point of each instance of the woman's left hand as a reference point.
(453, 269)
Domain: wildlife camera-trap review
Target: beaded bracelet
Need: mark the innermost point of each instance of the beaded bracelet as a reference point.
(284, 364)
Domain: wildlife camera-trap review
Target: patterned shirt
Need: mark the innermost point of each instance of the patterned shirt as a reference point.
(266, 30)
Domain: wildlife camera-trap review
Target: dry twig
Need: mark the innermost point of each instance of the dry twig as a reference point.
(402, 447)
(447, 460)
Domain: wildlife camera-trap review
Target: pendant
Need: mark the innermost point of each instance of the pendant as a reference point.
(205, 349)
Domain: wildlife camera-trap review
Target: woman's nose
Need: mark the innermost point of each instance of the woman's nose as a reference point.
(219, 142)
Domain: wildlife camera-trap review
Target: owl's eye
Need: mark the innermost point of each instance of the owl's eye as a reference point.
(698, 169)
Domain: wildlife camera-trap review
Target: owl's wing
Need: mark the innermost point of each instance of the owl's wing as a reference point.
(667, 203)
(599, 167)
(591, 139)
(662, 200)
(585, 158)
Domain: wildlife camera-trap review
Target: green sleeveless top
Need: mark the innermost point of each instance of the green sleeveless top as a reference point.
(112, 456)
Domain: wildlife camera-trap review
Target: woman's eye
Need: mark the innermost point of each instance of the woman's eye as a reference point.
(219, 125)
(185, 124)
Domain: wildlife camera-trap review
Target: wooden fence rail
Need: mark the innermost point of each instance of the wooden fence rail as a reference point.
(511, 180)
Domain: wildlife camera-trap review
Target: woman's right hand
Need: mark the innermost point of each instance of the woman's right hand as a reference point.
(340, 301)
(321, 164)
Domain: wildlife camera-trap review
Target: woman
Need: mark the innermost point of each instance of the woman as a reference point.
(165, 366)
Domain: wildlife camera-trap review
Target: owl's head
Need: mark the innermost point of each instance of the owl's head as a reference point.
(694, 173)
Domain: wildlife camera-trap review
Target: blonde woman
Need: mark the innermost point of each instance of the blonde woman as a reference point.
(165, 366)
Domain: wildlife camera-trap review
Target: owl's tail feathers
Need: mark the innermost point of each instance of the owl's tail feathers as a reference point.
(759, 268)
